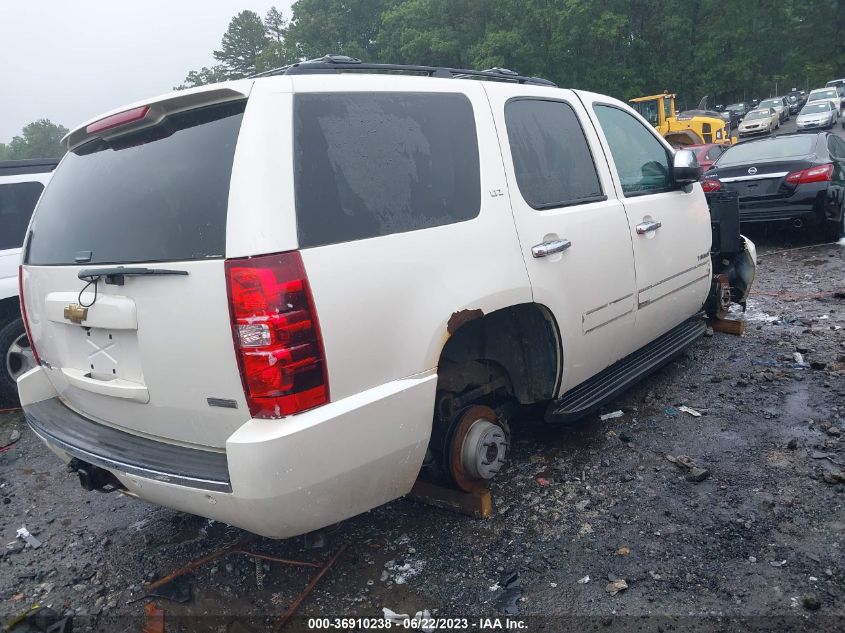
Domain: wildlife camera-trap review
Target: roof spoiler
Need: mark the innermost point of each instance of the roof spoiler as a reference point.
(155, 111)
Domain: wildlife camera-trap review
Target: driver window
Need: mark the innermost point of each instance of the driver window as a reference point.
(643, 163)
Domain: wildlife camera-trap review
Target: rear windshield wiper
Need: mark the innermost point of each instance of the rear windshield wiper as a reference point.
(115, 275)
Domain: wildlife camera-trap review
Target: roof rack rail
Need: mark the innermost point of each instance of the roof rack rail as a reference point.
(341, 63)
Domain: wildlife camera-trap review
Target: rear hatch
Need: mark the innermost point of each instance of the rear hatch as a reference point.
(149, 353)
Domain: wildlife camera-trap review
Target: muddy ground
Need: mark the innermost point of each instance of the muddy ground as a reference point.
(760, 539)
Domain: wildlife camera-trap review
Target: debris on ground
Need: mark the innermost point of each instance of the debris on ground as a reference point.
(671, 411)
(30, 540)
(584, 580)
(690, 410)
(14, 436)
(155, 619)
(511, 593)
(391, 616)
(777, 563)
(615, 586)
(811, 602)
(623, 551)
(177, 590)
(695, 473)
(610, 416)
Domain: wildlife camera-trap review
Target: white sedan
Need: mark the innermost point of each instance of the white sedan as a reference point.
(760, 121)
(818, 114)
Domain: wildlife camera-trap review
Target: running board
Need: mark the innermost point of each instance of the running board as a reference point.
(609, 383)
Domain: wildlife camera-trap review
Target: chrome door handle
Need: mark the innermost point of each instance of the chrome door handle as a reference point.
(550, 248)
(646, 227)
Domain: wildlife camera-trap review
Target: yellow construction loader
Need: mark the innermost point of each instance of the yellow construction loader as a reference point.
(692, 127)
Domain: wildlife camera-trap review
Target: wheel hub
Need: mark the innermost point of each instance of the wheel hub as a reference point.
(484, 449)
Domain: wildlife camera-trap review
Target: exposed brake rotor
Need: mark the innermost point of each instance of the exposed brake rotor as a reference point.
(477, 448)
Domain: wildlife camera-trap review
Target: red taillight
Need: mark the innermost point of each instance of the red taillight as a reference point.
(25, 320)
(116, 120)
(277, 336)
(822, 173)
(711, 185)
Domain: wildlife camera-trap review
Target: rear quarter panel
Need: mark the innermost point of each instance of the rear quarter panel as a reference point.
(383, 303)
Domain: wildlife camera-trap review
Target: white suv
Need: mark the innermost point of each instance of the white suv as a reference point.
(21, 183)
(272, 301)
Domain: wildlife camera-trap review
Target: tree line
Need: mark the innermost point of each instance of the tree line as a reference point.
(39, 139)
(728, 50)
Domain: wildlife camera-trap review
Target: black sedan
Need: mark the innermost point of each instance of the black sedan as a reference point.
(796, 178)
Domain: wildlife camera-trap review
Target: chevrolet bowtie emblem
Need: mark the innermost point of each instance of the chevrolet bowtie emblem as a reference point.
(75, 313)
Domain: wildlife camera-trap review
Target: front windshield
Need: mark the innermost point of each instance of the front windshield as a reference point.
(756, 114)
(815, 108)
(770, 103)
(824, 94)
(734, 106)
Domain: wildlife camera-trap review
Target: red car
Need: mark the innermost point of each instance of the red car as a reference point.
(707, 153)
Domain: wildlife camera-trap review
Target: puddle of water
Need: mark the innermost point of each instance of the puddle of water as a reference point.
(753, 313)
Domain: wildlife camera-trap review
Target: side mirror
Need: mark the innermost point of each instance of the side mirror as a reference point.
(685, 167)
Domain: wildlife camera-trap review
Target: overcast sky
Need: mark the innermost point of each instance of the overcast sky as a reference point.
(69, 60)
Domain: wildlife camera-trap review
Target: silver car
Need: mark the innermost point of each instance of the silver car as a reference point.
(817, 114)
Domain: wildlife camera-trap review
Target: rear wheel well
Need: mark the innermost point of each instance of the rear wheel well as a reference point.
(516, 349)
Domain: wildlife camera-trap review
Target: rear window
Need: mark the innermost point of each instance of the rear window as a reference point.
(371, 164)
(781, 148)
(551, 157)
(17, 200)
(155, 195)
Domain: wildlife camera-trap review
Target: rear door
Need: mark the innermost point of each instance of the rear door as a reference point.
(572, 228)
(669, 227)
(151, 354)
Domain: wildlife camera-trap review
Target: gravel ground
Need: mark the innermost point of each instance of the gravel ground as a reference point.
(757, 544)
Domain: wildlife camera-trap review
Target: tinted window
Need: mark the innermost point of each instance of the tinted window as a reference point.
(551, 157)
(714, 152)
(641, 160)
(836, 146)
(156, 195)
(781, 148)
(17, 200)
(370, 164)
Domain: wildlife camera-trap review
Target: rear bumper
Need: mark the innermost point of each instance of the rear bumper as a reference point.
(811, 203)
(276, 478)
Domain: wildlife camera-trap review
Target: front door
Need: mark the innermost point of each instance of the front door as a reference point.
(669, 226)
(572, 228)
